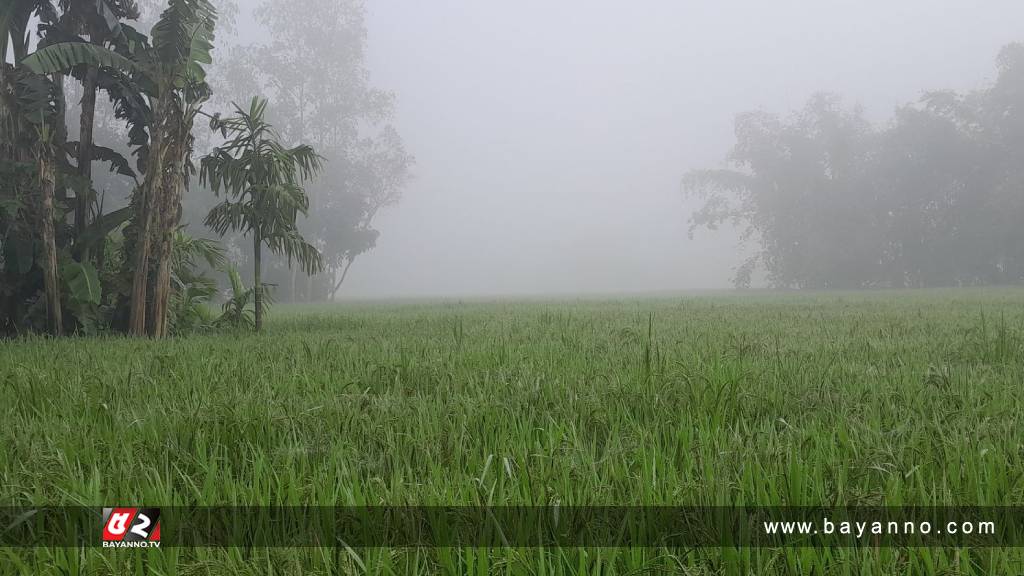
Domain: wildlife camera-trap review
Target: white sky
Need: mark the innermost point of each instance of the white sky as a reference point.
(551, 136)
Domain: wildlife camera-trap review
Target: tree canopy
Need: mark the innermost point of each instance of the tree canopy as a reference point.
(932, 198)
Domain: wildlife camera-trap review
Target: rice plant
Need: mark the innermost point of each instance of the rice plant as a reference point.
(860, 399)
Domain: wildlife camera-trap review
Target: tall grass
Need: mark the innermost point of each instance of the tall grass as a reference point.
(876, 399)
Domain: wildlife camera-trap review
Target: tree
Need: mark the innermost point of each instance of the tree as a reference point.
(162, 86)
(101, 22)
(27, 112)
(262, 182)
(46, 158)
(313, 68)
(371, 177)
(932, 198)
(797, 188)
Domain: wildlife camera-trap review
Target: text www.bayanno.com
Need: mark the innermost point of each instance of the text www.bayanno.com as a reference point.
(861, 529)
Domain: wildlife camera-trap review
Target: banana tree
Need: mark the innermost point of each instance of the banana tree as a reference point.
(101, 21)
(27, 112)
(262, 182)
(162, 87)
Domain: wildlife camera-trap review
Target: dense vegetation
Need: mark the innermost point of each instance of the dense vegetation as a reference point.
(933, 198)
(886, 398)
(93, 252)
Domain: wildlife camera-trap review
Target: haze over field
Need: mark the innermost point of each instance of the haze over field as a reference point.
(551, 138)
(500, 148)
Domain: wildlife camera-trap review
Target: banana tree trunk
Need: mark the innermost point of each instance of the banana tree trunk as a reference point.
(144, 224)
(61, 132)
(140, 271)
(170, 214)
(258, 286)
(51, 281)
(85, 145)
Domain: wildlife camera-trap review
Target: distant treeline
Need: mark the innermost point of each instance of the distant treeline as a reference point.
(935, 197)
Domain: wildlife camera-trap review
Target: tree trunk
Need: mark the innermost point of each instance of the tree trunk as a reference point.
(140, 270)
(344, 274)
(161, 292)
(161, 289)
(144, 224)
(85, 144)
(61, 132)
(170, 214)
(51, 281)
(258, 286)
(295, 274)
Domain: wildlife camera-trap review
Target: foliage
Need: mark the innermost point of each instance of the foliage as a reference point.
(83, 283)
(931, 199)
(313, 69)
(157, 87)
(238, 312)
(83, 294)
(192, 290)
(67, 55)
(262, 181)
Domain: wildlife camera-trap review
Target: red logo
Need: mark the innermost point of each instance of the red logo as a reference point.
(131, 528)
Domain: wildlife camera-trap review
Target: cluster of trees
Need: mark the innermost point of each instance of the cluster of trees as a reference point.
(313, 69)
(121, 249)
(933, 198)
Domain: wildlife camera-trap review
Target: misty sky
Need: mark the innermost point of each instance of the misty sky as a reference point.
(551, 136)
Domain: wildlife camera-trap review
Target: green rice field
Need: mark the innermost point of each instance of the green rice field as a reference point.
(882, 398)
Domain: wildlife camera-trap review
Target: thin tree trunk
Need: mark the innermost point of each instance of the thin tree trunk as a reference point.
(85, 144)
(140, 271)
(61, 132)
(161, 290)
(170, 213)
(344, 273)
(101, 247)
(258, 286)
(161, 293)
(295, 275)
(144, 219)
(51, 281)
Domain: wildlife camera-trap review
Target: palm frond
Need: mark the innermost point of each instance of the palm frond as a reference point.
(294, 246)
(189, 250)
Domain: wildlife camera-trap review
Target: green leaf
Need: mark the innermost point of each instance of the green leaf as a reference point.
(83, 282)
(104, 225)
(183, 39)
(118, 163)
(64, 56)
(34, 97)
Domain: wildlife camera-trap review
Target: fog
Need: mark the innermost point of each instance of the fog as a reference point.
(550, 138)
